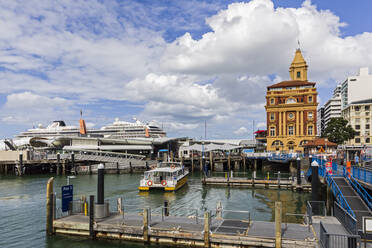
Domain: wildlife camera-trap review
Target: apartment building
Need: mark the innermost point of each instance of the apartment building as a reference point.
(358, 115)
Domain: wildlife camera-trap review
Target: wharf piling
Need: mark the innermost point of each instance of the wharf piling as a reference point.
(278, 224)
(49, 206)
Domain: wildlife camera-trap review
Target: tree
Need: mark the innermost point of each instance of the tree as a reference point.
(338, 131)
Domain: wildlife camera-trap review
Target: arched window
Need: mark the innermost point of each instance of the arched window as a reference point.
(290, 100)
(277, 143)
(310, 130)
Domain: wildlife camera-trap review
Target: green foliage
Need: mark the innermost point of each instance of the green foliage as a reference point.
(338, 131)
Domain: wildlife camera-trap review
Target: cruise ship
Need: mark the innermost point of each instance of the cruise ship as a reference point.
(117, 130)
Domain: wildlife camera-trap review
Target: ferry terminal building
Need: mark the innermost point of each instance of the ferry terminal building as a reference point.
(291, 108)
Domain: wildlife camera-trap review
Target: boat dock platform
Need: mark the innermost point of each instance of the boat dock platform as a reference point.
(258, 183)
(186, 231)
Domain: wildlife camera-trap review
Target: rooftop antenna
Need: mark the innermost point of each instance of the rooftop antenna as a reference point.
(81, 114)
(205, 129)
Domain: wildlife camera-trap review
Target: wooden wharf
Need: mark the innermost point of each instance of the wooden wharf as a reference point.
(257, 183)
(187, 231)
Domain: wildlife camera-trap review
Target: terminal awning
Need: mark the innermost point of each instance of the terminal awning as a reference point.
(109, 148)
(213, 147)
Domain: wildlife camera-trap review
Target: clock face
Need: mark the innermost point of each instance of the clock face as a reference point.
(291, 115)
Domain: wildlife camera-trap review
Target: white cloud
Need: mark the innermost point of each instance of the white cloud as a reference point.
(261, 125)
(258, 39)
(29, 108)
(241, 131)
(57, 56)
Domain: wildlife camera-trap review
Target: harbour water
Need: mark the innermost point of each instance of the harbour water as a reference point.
(22, 205)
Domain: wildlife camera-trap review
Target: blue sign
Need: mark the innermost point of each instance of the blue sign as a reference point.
(67, 195)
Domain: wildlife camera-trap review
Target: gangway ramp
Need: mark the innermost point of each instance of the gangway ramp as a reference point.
(355, 202)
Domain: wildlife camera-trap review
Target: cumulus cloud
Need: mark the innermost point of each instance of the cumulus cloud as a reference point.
(55, 56)
(258, 39)
(28, 108)
(241, 131)
(261, 125)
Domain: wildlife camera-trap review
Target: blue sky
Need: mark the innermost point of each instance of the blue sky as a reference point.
(175, 63)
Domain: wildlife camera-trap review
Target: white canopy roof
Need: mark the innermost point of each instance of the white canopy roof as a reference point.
(213, 147)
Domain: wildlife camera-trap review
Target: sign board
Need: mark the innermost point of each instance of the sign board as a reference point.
(67, 195)
(321, 150)
(248, 150)
(367, 224)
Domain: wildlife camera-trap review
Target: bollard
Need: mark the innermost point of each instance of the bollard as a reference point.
(278, 224)
(91, 217)
(206, 228)
(49, 207)
(145, 225)
(314, 181)
(101, 184)
(298, 171)
(166, 208)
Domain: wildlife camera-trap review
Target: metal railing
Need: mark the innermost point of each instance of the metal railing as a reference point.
(249, 175)
(330, 240)
(75, 207)
(359, 189)
(338, 194)
(348, 221)
(316, 208)
(362, 174)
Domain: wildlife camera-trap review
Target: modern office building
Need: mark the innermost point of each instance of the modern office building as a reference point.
(291, 109)
(320, 121)
(332, 108)
(356, 88)
(358, 115)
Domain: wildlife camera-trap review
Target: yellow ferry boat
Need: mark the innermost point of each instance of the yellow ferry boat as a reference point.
(169, 176)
